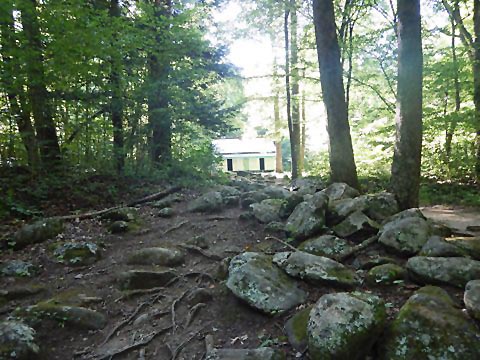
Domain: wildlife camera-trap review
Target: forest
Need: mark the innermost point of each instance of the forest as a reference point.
(122, 237)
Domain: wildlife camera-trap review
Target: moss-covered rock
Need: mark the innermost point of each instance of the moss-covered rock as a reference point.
(356, 223)
(268, 210)
(119, 227)
(315, 269)
(18, 268)
(17, 341)
(262, 353)
(429, 326)
(76, 253)
(470, 246)
(123, 214)
(20, 291)
(454, 271)
(405, 236)
(37, 232)
(339, 191)
(345, 326)
(308, 218)
(296, 329)
(251, 197)
(471, 298)
(386, 274)
(210, 202)
(437, 246)
(166, 212)
(256, 280)
(157, 256)
(326, 245)
(145, 279)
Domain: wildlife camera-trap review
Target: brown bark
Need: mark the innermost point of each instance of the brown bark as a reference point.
(342, 163)
(476, 83)
(406, 164)
(295, 138)
(40, 102)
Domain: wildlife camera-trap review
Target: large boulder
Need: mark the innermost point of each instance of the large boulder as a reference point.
(338, 191)
(471, 298)
(268, 210)
(315, 269)
(356, 223)
(209, 203)
(17, 341)
(470, 246)
(296, 329)
(437, 246)
(256, 280)
(157, 256)
(276, 192)
(262, 353)
(405, 233)
(345, 326)
(326, 245)
(308, 218)
(76, 253)
(251, 197)
(386, 274)
(430, 326)
(381, 206)
(36, 232)
(454, 271)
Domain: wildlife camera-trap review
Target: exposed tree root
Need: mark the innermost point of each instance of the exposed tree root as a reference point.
(175, 227)
(357, 248)
(291, 247)
(201, 252)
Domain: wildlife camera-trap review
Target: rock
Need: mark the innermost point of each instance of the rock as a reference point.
(381, 206)
(367, 262)
(246, 216)
(386, 274)
(166, 202)
(263, 353)
(291, 202)
(123, 214)
(307, 185)
(256, 280)
(437, 246)
(315, 269)
(296, 329)
(429, 326)
(166, 212)
(405, 235)
(268, 210)
(221, 272)
(145, 279)
(76, 253)
(414, 212)
(469, 246)
(338, 191)
(308, 218)
(326, 245)
(251, 197)
(157, 256)
(21, 291)
(454, 271)
(276, 192)
(209, 203)
(229, 191)
(119, 227)
(471, 298)
(275, 227)
(18, 268)
(200, 241)
(338, 210)
(74, 316)
(345, 326)
(356, 223)
(37, 232)
(17, 341)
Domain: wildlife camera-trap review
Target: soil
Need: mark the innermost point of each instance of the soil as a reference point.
(231, 323)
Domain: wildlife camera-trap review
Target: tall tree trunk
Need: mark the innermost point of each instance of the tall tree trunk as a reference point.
(303, 135)
(276, 116)
(158, 114)
(342, 163)
(406, 164)
(453, 123)
(295, 140)
(116, 104)
(18, 108)
(350, 66)
(39, 97)
(476, 83)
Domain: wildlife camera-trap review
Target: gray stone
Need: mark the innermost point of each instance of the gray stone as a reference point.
(366, 262)
(17, 341)
(37, 232)
(429, 326)
(414, 212)
(275, 227)
(471, 298)
(21, 291)
(405, 235)
(200, 241)
(338, 191)
(454, 271)
(119, 227)
(157, 256)
(338, 210)
(145, 279)
(356, 223)
(381, 206)
(166, 212)
(209, 203)
(326, 245)
(345, 326)
(315, 269)
(276, 192)
(469, 246)
(18, 268)
(229, 191)
(263, 353)
(438, 246)
(386, 274)
(76, 253)
(296, 329)
(308, 218)
(268, 210)
(251, 197)
(256, 280)
(123, 214)
(307, 185)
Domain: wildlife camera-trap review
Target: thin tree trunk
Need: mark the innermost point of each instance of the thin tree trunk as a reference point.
(342, 163)
(350, 67)
(406, 164)
(116, 104)
(476, 83)
(303, 135)
(295, 139)
(39, 97)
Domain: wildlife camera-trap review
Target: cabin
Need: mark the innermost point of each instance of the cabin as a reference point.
(246, 154)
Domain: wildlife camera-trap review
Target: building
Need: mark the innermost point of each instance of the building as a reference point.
(246, 155)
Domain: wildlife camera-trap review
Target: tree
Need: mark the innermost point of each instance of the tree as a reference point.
(405, 180)
(342, 163)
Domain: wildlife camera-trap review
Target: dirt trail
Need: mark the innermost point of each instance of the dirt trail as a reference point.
(461, 220)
